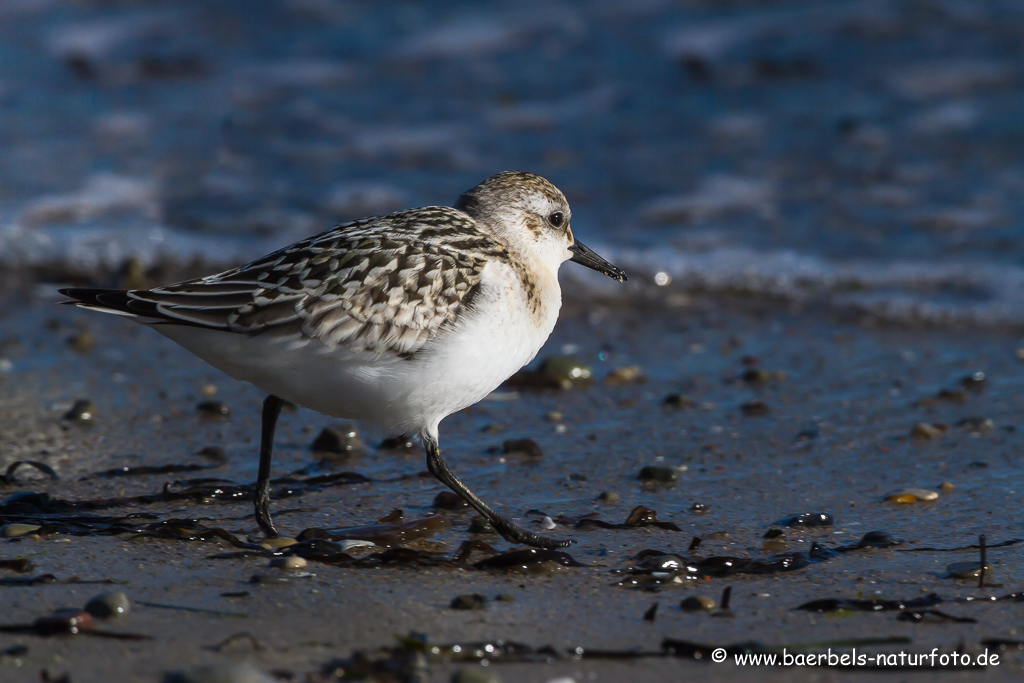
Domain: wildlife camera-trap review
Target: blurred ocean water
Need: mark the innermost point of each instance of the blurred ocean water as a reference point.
(865, 153)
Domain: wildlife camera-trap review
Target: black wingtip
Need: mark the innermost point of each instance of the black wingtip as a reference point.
(82, 295)
(112, 299)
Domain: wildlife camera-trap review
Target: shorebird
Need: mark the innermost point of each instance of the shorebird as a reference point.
(399, 320)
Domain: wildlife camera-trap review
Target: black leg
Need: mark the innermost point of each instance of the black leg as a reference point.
(271, 409)
(516, 534)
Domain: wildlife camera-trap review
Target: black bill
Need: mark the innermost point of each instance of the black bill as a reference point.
(584, 256)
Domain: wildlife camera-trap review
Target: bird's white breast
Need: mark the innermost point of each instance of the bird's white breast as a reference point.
(503, 331)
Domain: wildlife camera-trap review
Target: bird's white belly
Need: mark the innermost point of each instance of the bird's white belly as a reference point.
(457, 368)
(471, 360)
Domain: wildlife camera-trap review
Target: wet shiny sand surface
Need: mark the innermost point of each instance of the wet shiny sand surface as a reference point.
(832, 434)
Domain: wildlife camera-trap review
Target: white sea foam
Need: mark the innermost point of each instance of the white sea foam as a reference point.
(939, 292)
(104, 195)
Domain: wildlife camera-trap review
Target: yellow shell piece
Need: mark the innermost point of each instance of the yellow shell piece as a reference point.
(901, 497)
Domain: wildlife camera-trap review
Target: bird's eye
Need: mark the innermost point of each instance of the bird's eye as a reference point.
(556, 219)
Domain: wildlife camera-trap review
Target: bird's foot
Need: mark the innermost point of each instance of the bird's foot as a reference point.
(516, 534)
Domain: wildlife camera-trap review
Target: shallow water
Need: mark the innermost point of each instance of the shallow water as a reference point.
(864, 154)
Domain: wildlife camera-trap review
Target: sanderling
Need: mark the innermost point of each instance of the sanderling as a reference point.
(400, 320)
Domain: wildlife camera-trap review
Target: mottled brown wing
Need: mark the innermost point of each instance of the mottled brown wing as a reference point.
(382, 285)
(391, 297)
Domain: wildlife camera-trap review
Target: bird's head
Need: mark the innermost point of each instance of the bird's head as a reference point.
(532, 216)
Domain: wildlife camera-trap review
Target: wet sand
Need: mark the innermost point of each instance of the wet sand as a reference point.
(862, 155)
(841, 398)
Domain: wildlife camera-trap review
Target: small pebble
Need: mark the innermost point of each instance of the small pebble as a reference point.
(566, 371)
(526, 447)
(110, 604)
(808, 434)
(449, 500)
(556, 372)
(922, 494)
(226, 672)
(19, 564)
(620, 377)
(481, 525)
(877, 539)
(968, 570)
(659, 474)
(758, 376)
(808, 519)
(277, 543)
(699, 508)
(476, 674)
(398, 443)
(553, 416)
(609, 497)
(15, 530)
(677, 401)
(208, 390)
(697, 603)
(901, 498)
(213, 409)
(911, 496)
(924, 431)
(292, 563)
(82, 342)
(83, 410)
(470, 601)
(64, 621)
(981, 425)
(756, 408)
(350, 543)
(951, 395)
(396, 516)
(663, 563)
(974, 382)
(505, 597)
(547, 523)
(947, 486)
(340, 439)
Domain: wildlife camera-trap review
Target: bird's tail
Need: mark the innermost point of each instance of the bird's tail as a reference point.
(116, 301)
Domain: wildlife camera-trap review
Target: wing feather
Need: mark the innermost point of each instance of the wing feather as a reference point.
(382, 285)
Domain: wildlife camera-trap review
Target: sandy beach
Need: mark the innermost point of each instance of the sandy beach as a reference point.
(802, 431)
(769, 413)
